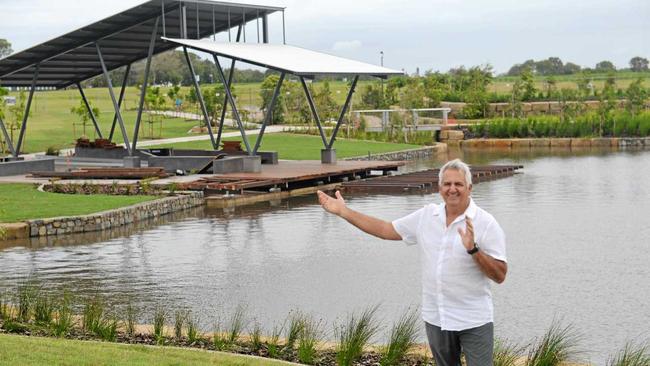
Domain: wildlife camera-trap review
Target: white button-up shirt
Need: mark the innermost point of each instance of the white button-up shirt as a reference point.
(455, 293)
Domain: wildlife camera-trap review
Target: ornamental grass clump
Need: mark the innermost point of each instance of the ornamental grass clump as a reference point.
(273, 342)
(180, 317)
(93, 312)
(631, 355)
(506, 353)
(402, 338)
(192, 327)
(558, 345)
(296, 324)
(354, 335)
(63, 322)
(26, 297)
(43, 308)
(219, 338)
(236, 324)
(159, 319)
(308, 340)
(256, 336)
(131, 319)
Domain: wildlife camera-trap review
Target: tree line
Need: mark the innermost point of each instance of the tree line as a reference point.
(555, 66)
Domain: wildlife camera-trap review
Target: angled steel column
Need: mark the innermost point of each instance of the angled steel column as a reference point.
(235, 113)
(119, 102)
(7, 138)
(313, 111)
(90, 111)
(269, 112)
(147, 67)
(225, 97)
(265, 28)
(345, 108)
(23, 127)
(109, 84)
(199, 96)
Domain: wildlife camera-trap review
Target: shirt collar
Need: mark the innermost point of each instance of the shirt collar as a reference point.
(470, 211)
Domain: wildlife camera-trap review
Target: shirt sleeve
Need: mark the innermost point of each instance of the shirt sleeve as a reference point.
(407, 226)
(493, 241)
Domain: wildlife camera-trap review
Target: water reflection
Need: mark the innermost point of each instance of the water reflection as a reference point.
(577, 247)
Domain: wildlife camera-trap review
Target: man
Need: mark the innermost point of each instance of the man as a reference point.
(462, 248)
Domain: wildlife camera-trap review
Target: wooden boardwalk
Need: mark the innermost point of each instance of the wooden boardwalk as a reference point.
(426, 180)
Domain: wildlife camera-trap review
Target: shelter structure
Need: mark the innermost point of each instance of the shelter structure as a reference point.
(157, 26)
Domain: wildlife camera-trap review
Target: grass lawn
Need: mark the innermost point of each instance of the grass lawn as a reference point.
(20, 350)
(305, 147)
(22, 201)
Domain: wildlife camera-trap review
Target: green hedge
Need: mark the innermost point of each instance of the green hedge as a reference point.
(589, 125)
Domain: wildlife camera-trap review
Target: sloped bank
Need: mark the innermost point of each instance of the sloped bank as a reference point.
(102, 220)
(411, 154)
(599, 142)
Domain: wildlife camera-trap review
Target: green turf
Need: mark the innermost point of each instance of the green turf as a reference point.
(305, 147)
(22, 202)
(20, 350)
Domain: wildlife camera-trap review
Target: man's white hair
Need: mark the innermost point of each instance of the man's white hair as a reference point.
(456, 164)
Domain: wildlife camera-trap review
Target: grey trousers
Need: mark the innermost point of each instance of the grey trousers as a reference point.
(476, 343)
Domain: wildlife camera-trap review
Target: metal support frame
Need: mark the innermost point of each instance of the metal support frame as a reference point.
(199, 96)
(284, 34)
(269, 113)
(119, 101)
(143, 92)
(345, 108)
(312, 106)
(90, 111)
(232, 104)
(183, 20)
(225, 98)
(265, 28)
(109, 84)
(7, 138)
(23, 126)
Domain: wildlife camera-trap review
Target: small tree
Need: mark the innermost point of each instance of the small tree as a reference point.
(5, 48)
(636, 96)
(154, 101)
(266, 92)
(413, 94)
(605, 66)
(325, 104)
(528, 84)
(84, 116)
(607, 102)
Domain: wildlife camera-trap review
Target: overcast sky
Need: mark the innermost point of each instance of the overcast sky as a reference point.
(431, 35)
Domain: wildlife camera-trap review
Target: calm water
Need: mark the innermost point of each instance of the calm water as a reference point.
(578, 250)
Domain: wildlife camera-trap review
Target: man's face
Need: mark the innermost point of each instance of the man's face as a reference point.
(454, 189)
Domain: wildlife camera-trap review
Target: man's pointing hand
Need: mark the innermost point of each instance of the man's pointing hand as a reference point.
(331, 204)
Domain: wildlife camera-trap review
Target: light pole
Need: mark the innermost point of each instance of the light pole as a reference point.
(382, 57)
(382, 80)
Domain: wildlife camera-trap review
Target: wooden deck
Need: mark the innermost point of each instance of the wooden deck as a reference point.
(290, 175)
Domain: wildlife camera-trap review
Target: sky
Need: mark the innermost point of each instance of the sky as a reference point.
(413, 34)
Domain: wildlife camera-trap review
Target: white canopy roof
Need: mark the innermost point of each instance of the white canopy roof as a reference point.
(294, 60)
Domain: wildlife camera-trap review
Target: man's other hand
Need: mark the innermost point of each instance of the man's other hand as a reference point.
(331, 204)
(467, 235)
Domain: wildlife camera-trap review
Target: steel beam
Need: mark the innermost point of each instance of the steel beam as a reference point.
(7, 138)
(109, 84)
(90, 111)
(143, 92)
(269, 112)
(265, 28)
(23, 126)
(235, 113)
(225, 97)
(199, 96)
(345, 108)
(310, 101)
(119, 102)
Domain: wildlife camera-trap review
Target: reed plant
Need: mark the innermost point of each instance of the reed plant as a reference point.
(273, 342)
(107, 329)
(506, 353)
(236, 324)
(6, 308)
(92, 315)
(44, 307)
(192, 327)
(180, 317)
(26, 295)
(131, 319)
(63, 321)
(558, 345)
(296, 325)
(632, 354)
(403, 336)
(256, 336)
(309, 339)
(159, 319)
(219, 338)
(354, 335)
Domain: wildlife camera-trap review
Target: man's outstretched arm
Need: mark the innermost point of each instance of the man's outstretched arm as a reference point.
(371, 225)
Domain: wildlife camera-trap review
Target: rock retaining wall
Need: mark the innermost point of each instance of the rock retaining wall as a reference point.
(405, 154)
(113, 218)
(614, 142)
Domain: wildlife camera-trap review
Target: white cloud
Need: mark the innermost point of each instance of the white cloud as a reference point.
(346, 45)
